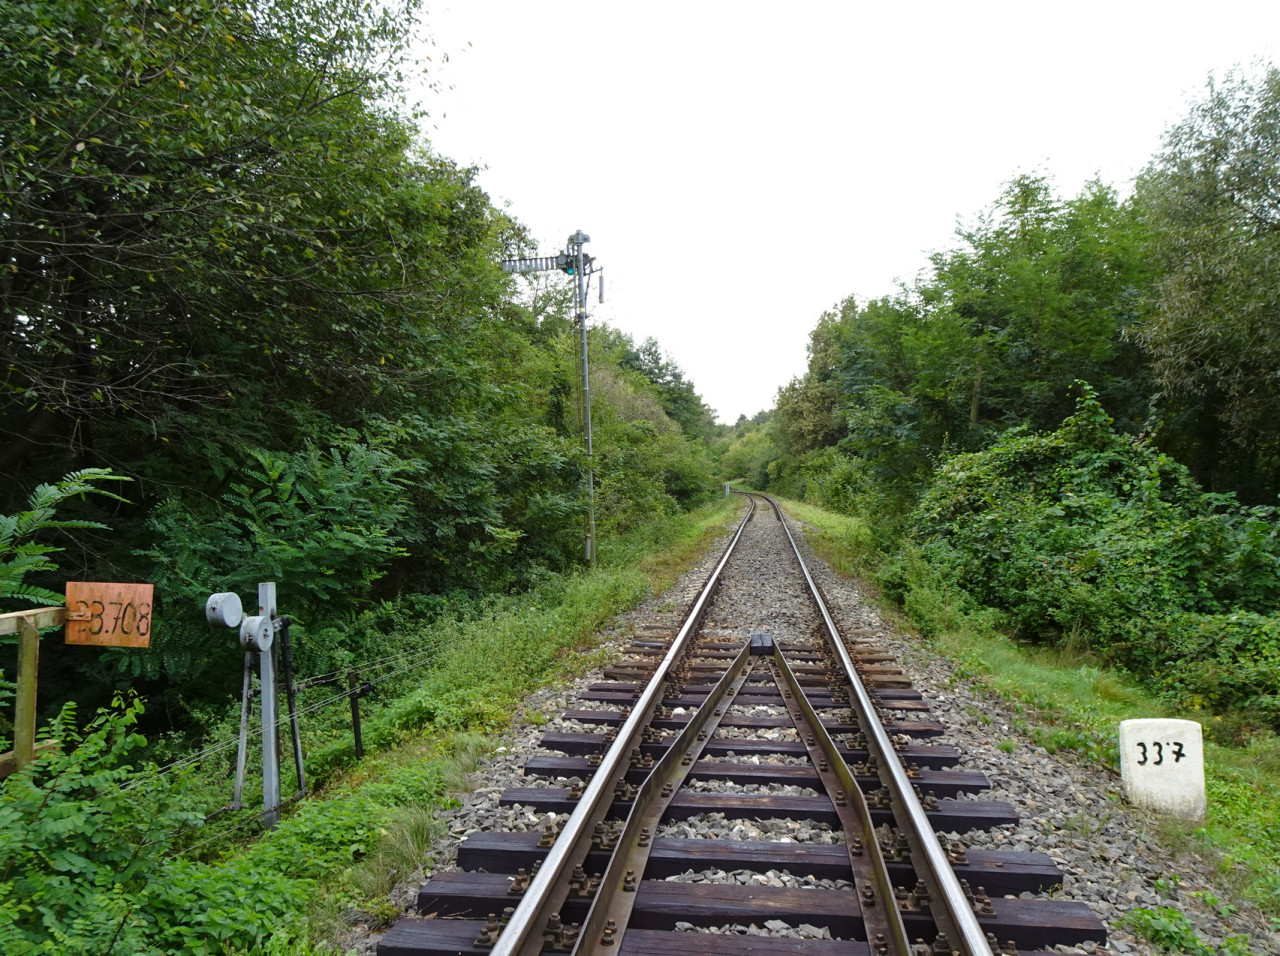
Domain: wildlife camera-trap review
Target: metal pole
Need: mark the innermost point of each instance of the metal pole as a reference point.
(576, 241)
(270, 733)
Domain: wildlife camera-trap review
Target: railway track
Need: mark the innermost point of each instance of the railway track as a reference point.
(806, 762)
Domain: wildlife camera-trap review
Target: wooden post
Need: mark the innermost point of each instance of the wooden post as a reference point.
(24, 717)
(286, 660)
(353, 689)
(27, 625)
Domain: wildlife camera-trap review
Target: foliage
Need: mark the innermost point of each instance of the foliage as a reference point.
(1081, 534)
(944, 413)
(1173, 932)
(80, 850)
(645, 463)
(1227, 660)
(1063, 697)
(87, 855)
(155, 211)
(1160, 302)
(21, 554)
(1037, 295)
(322, 525)
(1044, 289)
(676, 393)
(91, 848)
(745, 451)
(234, 272)
(1209, 200)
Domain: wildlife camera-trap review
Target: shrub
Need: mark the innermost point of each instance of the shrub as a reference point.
(21, 554)
(79, 853)
(1227, 660)
(321, 524)
(1082, 534)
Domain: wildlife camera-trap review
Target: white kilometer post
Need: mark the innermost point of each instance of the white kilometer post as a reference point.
(1162, 766)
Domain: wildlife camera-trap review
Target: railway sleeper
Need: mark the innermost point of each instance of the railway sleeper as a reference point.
(999, 871)
(950, 815)
(661, 904)
(431, 937)
(911, 728)
(910, 702)
(892, 676)
(943, 783)
(418, 936)
(933, 756)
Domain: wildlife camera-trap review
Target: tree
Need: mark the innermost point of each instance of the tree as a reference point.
(231, 270)
(1209, 198)
(1047, 286)
(208, 203)
(221, 243)
(674, 391)
(1035, 296)
(888, 381)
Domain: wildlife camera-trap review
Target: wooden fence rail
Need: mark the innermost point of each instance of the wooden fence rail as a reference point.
(27, 625)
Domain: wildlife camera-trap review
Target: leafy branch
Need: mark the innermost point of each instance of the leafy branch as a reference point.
(21, 554)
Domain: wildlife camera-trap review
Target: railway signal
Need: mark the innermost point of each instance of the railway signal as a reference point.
(574, 262)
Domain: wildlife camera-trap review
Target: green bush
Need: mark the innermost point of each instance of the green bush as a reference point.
(1173, 932)
(87, 844)
(1086, 536)
(80, 855)
(1228, 660)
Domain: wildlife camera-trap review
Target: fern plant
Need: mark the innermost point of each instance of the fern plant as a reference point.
(21, 554)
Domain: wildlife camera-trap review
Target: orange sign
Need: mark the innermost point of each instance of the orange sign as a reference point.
(109, 615)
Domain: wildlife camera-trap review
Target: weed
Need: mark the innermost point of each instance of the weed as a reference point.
(1224, 910)
(979, 716)
(1082, 823)
(1167, 928)
(383, 913)
(404, 848)
(465, 753)
(1267, 891)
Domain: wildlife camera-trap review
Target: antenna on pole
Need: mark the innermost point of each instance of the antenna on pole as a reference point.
(574, 262)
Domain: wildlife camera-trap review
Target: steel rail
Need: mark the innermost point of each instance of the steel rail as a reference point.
(880, 914)
(549, 887)
(949, 905)
(605, 924)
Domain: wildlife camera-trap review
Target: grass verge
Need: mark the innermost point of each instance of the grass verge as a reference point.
(1065, 699)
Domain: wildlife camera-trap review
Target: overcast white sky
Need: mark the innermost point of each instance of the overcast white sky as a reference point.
(741, 167)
